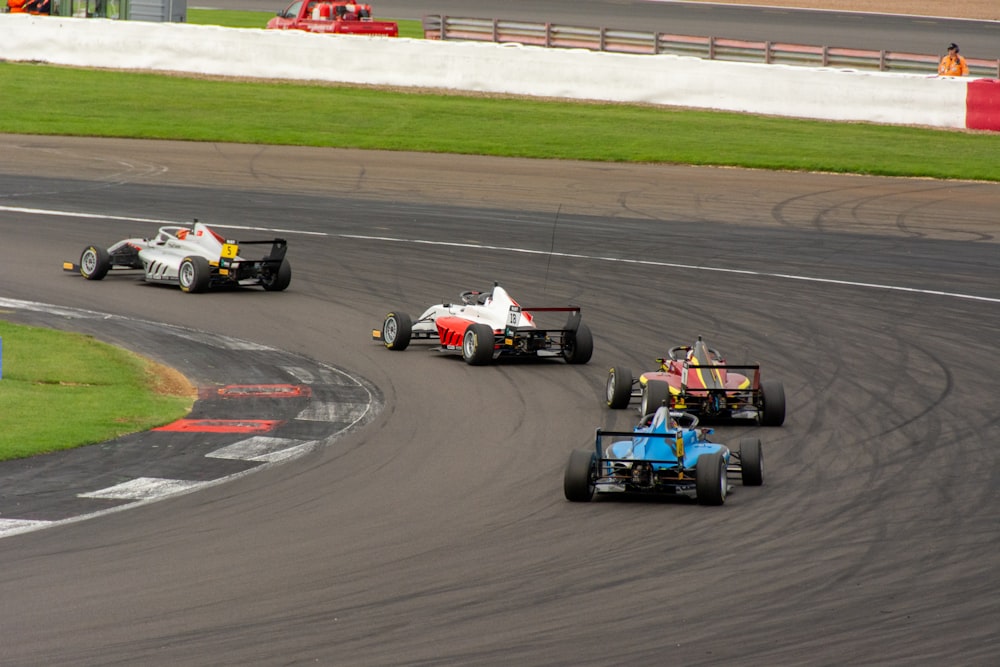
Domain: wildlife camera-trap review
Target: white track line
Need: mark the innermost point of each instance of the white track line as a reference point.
(597, 258)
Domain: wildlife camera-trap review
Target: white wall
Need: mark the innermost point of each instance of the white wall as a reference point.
(907, 99)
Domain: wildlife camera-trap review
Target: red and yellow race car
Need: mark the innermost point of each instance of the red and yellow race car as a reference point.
(697, 379)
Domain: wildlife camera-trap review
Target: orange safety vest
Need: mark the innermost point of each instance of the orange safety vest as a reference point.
(16, 6)
(953, 66)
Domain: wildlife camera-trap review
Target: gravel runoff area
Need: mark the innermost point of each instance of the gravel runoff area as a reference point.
(960, 9)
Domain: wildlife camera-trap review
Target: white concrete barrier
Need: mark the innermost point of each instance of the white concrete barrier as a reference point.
(827, 94)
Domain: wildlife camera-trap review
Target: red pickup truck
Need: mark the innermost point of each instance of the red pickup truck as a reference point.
(333, 17)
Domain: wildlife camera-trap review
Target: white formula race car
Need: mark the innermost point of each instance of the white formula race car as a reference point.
(484, 326)
(195, 258)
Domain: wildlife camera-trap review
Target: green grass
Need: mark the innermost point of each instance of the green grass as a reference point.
(41, 99)
(99, 392)
(60, 390)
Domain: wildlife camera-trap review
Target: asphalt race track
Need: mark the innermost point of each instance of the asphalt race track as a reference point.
(437, 534)
(860, 30)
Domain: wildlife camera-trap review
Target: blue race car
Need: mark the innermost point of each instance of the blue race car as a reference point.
(661, 457)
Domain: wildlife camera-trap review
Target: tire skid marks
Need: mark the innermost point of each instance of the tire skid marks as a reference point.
(336, 394)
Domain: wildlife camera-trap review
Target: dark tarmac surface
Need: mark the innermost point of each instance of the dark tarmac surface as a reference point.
(869, 29)
(438, 533)
(256, 405)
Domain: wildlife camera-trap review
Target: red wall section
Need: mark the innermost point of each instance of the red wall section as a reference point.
(982, 105)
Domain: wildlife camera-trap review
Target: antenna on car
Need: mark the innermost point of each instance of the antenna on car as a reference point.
(552, 248)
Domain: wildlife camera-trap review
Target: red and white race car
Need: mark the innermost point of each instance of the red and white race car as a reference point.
(484, 326)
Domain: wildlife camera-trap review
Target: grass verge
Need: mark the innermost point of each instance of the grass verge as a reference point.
(61, 390)
(41, 99)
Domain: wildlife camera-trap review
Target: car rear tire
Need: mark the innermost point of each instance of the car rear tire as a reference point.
(655, 394)
(95, 262)
(618, 390)
(751, 461)
(773, 396)
(194, 274)
(279, 280)
(579, 346)
(710, 479)
(578, 480)
(397, 329)
(478, 344)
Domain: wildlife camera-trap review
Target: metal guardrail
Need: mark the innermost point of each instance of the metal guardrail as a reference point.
(711, 48)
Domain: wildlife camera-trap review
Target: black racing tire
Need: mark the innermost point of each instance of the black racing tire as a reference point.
(711, 484)
(772, 396)
(478, 344)
(95, 262)
(397, 329)
(578, 348)
(279, 280)
(618, 390)
(655, 394)
(194, 274)
(751, 461)
(578, 480)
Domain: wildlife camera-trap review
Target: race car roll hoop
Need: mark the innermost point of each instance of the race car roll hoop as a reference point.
(484, 326)
(195, 258)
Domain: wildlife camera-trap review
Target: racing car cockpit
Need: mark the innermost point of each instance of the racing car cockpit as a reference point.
(699, 353)
(477, 298)
(664, 420)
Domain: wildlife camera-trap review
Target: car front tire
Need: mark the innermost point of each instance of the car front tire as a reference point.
(95, 262)
(397, 330)
(194, 274)
(477, 344)
(618, 390)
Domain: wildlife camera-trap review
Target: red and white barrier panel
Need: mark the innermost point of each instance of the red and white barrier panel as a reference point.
(982, 105)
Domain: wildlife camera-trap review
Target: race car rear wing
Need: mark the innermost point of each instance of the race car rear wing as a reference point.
(674, 440)
(754, 382)
(572, 322)
(278, 247)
